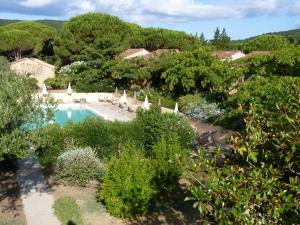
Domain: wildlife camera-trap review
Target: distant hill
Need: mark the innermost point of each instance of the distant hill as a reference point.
(57, 24)
(292, 35)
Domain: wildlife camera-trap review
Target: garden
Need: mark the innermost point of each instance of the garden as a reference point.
(152, 170)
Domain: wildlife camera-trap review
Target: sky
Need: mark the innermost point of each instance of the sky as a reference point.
(241, 18)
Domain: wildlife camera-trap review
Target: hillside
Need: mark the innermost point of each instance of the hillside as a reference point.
(53, 23)
(292, 35)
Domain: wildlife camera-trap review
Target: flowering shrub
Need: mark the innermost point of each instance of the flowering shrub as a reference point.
(79, 165)
(198, 108)
(71, 68)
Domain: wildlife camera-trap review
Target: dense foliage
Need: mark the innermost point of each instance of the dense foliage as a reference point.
(266, 43)
(126, 188)
(155, 124)
(261, 184)
(168, 156)
(17, 106)
(26, 37)
(49, 143)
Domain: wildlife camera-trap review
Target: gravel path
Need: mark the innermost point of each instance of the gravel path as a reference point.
(36, 198)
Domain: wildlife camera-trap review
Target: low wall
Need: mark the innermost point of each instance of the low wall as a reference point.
(94, 97)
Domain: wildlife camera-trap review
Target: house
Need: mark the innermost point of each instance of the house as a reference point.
(35, 68)
(228, 55)
(158, 52)
(134, 52)
(258, 53)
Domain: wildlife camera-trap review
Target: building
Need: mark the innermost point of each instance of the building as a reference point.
(158, 52)
(35, 68)
(133, 52)
(228, 55)
(259, 53)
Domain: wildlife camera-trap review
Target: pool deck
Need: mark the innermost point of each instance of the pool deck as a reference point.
(111, 112)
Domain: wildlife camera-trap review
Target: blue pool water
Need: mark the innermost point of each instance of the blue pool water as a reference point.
(65, 114)
(76, 115)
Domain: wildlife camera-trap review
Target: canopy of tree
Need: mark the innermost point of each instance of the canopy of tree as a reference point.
(94, 35)
(266, 42)
(17, 105)
(30, 37)
(57, 24)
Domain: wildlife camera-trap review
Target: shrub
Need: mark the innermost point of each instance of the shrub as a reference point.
(168, 156)
(49, 143)
(78, 166)
(67, 211)
(187, 100)
(104, 136)
(33, 82)
(126, 188)
(155, 124)
(259, 184)
(107, 85)
(197, 108)
(154, 97)
(57, 82)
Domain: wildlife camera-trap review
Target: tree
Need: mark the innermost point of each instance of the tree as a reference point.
(38, 39)
(82, 37)
(202, 38)
(266, 43)
(16, 42)
(259, 184)
(17, 106)
(221, 40)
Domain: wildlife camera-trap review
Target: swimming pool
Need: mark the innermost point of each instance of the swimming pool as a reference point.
(66, 113)
(73, 113)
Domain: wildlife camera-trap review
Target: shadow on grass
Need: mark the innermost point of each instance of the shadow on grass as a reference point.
(170, 210)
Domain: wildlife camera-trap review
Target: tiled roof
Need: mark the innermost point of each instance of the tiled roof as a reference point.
(131, 51)
(224, 54)
(34, 60)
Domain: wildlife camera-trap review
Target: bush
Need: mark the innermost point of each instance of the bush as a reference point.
(197, 108)
(33, 82)
(186, 101)
(259, 184)
(106, 85)
(57, 82)
(79, 166)
(155, 124)
(49, 143)
(154, 97)
(104, 136)
(169, 158)
(67, 211)
(126, 188)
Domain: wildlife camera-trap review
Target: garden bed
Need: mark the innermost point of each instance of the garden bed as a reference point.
(175, 212)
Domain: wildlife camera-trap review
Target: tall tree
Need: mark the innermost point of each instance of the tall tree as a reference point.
(221, 40)
(37, 37)
(17, 106)
(15, 42)
(202, 38)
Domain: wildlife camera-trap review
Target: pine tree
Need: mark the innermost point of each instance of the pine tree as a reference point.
(202, 38)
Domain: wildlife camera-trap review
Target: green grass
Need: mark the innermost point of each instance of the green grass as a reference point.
(67, 211)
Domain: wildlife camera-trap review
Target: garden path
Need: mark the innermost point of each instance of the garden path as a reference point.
(36, 198)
